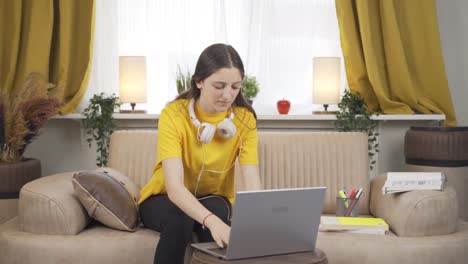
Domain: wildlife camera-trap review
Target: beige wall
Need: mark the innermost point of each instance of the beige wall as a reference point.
(453, 26)
(62, 147)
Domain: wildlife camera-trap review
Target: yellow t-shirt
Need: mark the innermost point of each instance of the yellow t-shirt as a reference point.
(177, 138)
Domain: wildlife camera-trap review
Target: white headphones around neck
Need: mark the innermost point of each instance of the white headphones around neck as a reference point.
(226, 128)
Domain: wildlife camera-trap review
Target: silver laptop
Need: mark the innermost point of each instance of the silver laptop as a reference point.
(271, 222)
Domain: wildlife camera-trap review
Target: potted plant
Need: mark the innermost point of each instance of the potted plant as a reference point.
(353, 115)
(183, 80)
(249, 88)
(23, 112)
(99, 124)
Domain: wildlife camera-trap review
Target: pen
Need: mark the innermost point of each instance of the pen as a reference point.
(353, 203)
(343, 196)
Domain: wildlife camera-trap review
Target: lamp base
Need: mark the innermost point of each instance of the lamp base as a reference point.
(133, 111)
(324, 112)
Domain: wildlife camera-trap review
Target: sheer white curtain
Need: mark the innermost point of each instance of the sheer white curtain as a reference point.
(104, 76)
(282, 38)
(277, 40)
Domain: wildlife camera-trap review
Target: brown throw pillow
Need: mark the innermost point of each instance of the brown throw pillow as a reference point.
(109, 197)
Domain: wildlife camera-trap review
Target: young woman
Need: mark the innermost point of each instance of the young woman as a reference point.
(200, 135)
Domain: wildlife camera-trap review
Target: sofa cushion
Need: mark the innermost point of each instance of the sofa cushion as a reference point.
(48, 206)
(96, 244)
(287, 160)
(310, 158)
(347, 248)
(415, 213)
(109, 197)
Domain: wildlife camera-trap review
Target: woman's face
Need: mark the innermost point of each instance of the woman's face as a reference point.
(219, 90)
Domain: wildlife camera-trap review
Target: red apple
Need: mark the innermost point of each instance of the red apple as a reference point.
(283, 106)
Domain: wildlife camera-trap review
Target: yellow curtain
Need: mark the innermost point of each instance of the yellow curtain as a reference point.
(393, 56)
(51, 37)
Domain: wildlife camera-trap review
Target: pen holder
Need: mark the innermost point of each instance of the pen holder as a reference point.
(347, 207)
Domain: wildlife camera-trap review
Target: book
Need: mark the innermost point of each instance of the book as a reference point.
(365, 225)
(359, 231)
(365, 231)
(403, 176)
(410, 181)
(398, 189)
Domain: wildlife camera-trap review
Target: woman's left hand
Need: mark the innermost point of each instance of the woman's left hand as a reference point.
(220, 231)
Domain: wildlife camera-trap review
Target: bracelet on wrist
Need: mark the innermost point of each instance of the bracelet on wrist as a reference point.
(204, 219)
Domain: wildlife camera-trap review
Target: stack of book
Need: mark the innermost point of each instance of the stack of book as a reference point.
(361, 225)
(410, 181)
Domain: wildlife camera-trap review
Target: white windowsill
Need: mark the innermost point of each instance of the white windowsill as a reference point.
(311, 117)
(269, 122)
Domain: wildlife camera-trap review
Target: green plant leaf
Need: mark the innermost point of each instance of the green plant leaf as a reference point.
(183, 80)
(249, 87)
(99, 124)
(353, 115)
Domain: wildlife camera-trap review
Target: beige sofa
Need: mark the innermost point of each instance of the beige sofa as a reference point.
(424, 224)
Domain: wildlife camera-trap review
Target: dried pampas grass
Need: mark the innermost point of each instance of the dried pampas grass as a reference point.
(25, 111)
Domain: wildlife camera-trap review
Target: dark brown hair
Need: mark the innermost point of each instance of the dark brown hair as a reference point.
(213, 58)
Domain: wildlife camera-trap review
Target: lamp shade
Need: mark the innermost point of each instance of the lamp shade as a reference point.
(326, 89)
(132, 79)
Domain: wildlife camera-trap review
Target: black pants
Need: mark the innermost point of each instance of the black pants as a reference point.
(160, 214)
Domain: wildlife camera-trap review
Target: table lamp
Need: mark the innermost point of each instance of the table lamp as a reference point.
(326, 87)
(132, 81)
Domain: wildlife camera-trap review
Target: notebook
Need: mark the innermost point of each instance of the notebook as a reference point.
(271, 222)
(365, 225)
(409, 181)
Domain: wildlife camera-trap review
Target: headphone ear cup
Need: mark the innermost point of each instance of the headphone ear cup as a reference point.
(226, 129)
(208, 131)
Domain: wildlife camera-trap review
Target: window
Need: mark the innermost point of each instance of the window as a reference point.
(277, 40)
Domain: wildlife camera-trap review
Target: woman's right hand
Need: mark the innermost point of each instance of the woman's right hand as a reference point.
(220, 231)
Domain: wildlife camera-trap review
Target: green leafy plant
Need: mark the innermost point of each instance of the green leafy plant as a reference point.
(353, 115)
(249, 87)
(183, 80)
(99, 124)
(23, 112)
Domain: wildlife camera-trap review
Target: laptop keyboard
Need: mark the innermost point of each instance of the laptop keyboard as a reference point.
(221, 251)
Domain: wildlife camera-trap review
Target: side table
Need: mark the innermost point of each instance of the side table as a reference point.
(441, 149)
(311, 257)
